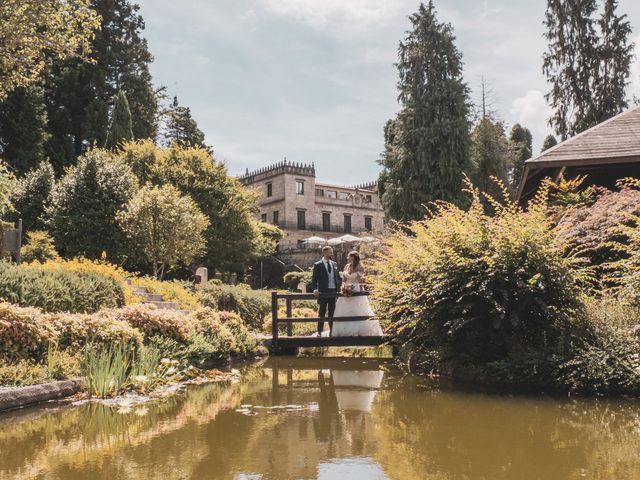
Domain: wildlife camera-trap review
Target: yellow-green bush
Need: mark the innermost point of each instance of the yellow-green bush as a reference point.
(298, 328)
(56, 290)
(478, 288)
(100, 267)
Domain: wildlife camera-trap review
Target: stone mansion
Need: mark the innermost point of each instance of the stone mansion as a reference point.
(291, 198)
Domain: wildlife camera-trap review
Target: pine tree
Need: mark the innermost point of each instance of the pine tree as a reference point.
(23, 121)
(80, 94)
(181, 128)
(615, 55)
(521, 146)
(587, 67)
(491, 156)
(120, 126)
(549, 141)
(427, 144)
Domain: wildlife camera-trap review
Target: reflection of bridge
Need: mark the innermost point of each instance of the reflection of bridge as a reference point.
(290, 342)
(349, 379)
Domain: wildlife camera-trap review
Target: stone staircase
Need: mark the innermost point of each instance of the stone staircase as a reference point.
(155, 299)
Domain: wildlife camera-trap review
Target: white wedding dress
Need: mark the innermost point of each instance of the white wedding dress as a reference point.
(356, 306)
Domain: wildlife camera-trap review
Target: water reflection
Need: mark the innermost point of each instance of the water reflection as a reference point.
(327, 419)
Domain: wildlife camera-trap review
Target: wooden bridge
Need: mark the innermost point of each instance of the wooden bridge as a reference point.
(291, 342)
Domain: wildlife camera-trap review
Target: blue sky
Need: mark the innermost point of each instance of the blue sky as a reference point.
(313, 80)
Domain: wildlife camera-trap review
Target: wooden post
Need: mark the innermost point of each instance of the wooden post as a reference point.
(289, 315)
(18, 253)
(274, 320)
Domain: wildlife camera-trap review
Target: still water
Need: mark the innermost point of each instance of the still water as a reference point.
(326, 419)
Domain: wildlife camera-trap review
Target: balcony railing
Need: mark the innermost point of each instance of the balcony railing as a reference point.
(319, 228)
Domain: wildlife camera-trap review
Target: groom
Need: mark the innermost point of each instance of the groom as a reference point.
(325, 280)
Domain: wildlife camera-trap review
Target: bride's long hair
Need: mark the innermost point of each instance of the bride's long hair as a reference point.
(354, 266)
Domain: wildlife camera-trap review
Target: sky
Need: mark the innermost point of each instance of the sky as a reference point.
(314, 81)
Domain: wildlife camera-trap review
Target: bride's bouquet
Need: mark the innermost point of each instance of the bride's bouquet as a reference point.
(347, 289)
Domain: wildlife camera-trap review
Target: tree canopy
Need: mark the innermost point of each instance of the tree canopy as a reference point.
(84, 204)
(587, 63)
(226, 203)
(165, 226)
(32, 32)
(427, 144)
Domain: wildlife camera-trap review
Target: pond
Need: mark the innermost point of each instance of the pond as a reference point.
(327, 418)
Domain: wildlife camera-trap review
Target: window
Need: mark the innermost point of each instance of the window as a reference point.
(369, 200)
(300, 187)
(332, 194)
(301, 219)
(347, 223)
(368, 224)
(326, 221)
(269, 189)
(344, 196)
(276, 218)
(319, 192)
(264, 217)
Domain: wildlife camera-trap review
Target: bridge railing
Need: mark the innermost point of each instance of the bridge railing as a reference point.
(289, 320)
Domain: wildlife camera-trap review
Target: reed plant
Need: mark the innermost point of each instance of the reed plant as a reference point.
(107, 369)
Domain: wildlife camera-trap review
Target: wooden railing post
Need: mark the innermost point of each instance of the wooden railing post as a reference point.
(289, 315)
(274, 319)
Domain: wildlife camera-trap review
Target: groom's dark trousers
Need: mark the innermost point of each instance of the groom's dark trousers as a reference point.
(327, 298)
(327, 305)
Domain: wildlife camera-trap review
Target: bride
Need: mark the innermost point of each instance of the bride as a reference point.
(356, 306)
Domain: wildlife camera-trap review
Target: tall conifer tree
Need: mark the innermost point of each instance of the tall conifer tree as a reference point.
(427, 144)
(80, 94)
(587, 63)
(181, 128)
(549, 141)
(120, 126)
(522, 148)
(23, 122)
(491, 156)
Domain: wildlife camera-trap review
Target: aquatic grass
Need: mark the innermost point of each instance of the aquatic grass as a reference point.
(107, 369)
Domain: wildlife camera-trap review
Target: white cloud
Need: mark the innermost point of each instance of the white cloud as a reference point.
(325, 14)
(532, 111)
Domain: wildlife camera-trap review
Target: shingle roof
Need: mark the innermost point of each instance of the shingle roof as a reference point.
(616, 140)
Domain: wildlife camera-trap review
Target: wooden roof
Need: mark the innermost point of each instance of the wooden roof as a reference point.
(616, 140)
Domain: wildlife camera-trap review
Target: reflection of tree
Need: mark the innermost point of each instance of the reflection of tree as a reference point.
(453, 435)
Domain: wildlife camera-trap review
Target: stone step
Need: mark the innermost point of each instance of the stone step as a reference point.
(138, 290)
(154, 297)
(165, 305)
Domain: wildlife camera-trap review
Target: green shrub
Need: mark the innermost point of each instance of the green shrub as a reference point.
(39, 247)
(605, 358)
(245, 342)
(102, 329)
(293, 279)
(251, 305)
(57, 290)
(23, 334)
(479, 288)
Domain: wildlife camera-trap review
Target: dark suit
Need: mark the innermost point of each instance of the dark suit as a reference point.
(320, 282)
